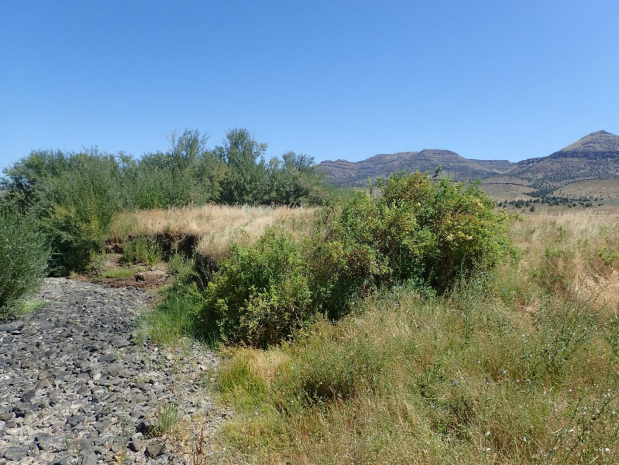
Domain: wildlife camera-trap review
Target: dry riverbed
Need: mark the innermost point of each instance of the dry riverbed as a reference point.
(78, 385)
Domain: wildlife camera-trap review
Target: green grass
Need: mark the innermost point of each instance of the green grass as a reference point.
(121, 273)
(174, 318)
(455, 379)
(168, 417)
(142, 249)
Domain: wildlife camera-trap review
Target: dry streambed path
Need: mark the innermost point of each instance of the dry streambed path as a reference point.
(79, 386)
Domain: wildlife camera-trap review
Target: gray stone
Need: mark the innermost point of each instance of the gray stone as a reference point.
(15, 453)
(106, 358)
(7, 416)
(155, 449)
(44, 384)
(44, 441)
(119, 342)
(89, 459)
(29, 395)
(13, 326)
(135, 445)
(75, 420)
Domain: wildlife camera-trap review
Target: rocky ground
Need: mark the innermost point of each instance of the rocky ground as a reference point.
(78, 385)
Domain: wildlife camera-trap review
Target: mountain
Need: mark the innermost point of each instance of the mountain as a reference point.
(595, 156)
(343, 172)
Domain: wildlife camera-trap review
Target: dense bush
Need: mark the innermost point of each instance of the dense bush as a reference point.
(428, 232)
(419, 230)
(76, 209)
(142, 249)
(23, 259)
(261, 292)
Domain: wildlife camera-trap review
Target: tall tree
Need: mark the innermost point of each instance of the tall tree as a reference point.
(246, 177)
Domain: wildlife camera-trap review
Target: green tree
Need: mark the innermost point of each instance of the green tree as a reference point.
(292, 180)
(245, 180)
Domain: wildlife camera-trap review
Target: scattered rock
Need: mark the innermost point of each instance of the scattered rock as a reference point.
(74, 382)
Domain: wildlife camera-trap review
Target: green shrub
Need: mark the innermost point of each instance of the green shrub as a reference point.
(142, 249)
(24, 252)
(431, 233)
(421, 231)
(76, 208)
(261, 293)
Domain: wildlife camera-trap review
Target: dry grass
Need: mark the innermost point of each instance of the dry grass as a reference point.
(574, 247)
(606, 188)
(216, 226)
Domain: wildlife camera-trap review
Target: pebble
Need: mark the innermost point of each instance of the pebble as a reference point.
(77, 388)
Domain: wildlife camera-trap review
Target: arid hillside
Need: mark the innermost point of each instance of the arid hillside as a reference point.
(342, 172)
(593, 157)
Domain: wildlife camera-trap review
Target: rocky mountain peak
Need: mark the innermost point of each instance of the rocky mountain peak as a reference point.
(599, 141)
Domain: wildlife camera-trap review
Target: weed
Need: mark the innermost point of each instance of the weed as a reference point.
(142, 249)
(168, 418)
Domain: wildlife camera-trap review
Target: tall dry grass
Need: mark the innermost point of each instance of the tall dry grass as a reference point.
(570, 251)
(216, 226)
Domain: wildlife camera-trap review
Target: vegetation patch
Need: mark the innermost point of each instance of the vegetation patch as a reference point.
(24, 253)
(419, 230)
(122, 273)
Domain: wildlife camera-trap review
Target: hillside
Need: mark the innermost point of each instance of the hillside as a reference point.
(595, 156)
(343, 172)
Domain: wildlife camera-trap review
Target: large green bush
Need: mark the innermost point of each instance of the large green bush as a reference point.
(432, 233)
(77, 208)
(261, 293)
(416, 229)
(23, 259)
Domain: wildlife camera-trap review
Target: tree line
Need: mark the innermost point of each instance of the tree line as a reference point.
(73, 197)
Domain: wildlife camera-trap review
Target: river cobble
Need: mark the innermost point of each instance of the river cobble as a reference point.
(79, 385)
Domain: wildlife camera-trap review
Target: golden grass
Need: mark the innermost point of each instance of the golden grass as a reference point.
(583, 242)
(216, 226)
(606, 188)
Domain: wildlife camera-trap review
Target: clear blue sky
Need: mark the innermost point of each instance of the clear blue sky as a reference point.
(487, 79)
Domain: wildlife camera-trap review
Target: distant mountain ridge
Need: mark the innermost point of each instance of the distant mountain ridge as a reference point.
(343, 172)
(595, 156)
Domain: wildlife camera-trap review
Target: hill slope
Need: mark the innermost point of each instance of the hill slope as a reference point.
(343, 172)
(595, 156)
